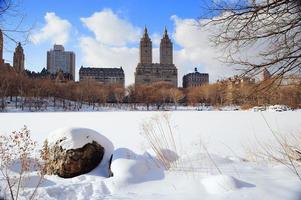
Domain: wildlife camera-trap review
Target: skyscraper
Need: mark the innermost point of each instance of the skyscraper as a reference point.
(60, 60)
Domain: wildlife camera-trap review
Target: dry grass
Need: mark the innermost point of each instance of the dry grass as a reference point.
(204, 147)
(281, 149)
(160, 134)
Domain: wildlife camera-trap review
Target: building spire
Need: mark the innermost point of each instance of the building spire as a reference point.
(145, 34)
(165, 34)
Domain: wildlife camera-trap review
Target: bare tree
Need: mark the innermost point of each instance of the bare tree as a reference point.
(119, 92)
(5, 6)
(176, 95)
(269, 27)
(4, 88)
(194, 95)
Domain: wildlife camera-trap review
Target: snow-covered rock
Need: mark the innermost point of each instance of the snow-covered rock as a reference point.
(76, 151)
(74, 138)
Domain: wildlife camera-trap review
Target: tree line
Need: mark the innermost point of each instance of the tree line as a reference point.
(40, 94)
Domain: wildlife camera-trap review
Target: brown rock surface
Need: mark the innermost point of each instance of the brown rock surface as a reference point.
(73, 162)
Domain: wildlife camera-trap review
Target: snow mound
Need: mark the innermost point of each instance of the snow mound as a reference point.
(130, 168)
(128, 165)
(222, 183)
(74, 138)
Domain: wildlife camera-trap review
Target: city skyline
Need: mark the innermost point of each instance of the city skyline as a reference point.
(117, 44)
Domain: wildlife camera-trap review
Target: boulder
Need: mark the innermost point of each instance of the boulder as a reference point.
(75, 151)
(73, 162)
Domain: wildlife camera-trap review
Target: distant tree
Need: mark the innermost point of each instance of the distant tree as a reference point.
(88, 88)
(79, 95)
(159, 93)
(119, 93)
(216, 94)
(270, 27)
(201, 94)
(130, 95)
(103, 94)
(4, 87)
(194, 95)
(35, 94)
(176, 95)
(142, 94)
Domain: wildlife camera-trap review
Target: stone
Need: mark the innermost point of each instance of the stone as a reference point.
(73, 162)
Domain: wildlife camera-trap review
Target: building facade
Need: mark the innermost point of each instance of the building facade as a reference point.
(233, 85)
(1, 48)
(148, 72)
(60, 60)
(3, 64)
(19, 58)
(195, 79)
(102, 75)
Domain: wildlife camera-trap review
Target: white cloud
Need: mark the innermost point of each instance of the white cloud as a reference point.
(196, 50)
(56, 30)
(110, 29)
(109, 47)
(156, 39)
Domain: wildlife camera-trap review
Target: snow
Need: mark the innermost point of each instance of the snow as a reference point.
(219, 184)
(129, 167)
(226, 173)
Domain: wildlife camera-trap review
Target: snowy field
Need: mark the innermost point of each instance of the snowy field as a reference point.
(223, 171)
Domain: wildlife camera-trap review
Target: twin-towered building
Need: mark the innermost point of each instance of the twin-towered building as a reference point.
(148, 72)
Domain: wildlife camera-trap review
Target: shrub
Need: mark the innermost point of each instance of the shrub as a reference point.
(16, 152)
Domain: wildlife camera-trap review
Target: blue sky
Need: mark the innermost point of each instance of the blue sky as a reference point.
(91, 28)
(154, 13)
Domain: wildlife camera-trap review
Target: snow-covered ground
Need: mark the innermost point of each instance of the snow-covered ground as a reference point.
(223, 171)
